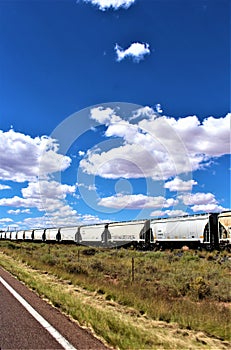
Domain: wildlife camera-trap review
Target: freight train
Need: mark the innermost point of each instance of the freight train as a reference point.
(210, 231)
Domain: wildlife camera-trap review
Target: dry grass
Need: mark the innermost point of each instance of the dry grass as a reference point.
(174, 301)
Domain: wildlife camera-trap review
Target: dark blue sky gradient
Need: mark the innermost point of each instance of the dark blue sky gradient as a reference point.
(58, 57)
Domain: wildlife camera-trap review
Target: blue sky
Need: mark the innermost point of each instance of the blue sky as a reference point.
(113, 110)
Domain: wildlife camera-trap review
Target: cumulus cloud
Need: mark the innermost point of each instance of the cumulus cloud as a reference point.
(43, 195)
(176, 212)
(144, 112)
(18, 211)
(198, 198)
(46, 196)
(104, 115)
(158, 108)
(136, 51)
(17, 201)
(23, 158)
(157, 147)
(35, 160)
(211, 138)
(114, 4)
(47, 189)
(136, 201)
(88, 187)
(178, 184)
(81, 153)
(3, 220)
(129, 161)
(204, 202)
(208, 208)
(66, 217)
(157, 213)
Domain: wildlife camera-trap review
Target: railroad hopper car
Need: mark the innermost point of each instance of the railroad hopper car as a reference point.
(224, 220)
(13, 235)
(69, 234)
(8, 235)
(28, 235)
(194, 231)
(20, 235)
(39, 235)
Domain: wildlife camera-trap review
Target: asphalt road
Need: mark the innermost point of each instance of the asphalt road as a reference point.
(20, 330)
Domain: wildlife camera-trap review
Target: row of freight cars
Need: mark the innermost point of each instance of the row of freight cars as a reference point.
(211, 231)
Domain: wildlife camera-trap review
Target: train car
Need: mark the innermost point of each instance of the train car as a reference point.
(94, 235)
(224, 227)
(39, 235)
(135, 233)
(193, 231)
(28, 235)
(20, 235)
(14, 235)
(51, 234)
(69, 234)
(8, 235)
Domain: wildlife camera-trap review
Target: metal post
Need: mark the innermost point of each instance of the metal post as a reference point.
(133, 270)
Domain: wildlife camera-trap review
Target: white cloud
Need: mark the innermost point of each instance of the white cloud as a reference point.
(6, 220)
(198, 198)
(65, 218)
(88, 219)
(144, 112)
(4, 187)
(35, 222)
(157, 147)
(46, 196)
(157, 213)
(23, 158)
(126, 161)
(104, 115)
(81, 153)
(115, 4)
(136, 51)
(17, 201)
(47, 189)
(88, 187)
(158, 108)
(178, 184)
(136, 201)
(210, 138)
(176, 212)
(205, 202)
(19, 211)
(208, 208)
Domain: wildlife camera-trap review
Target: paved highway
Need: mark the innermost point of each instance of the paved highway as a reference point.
(20, 330)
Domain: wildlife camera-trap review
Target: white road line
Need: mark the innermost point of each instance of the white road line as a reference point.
(55, 334)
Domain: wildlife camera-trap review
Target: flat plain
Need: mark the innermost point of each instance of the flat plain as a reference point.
(132, 299)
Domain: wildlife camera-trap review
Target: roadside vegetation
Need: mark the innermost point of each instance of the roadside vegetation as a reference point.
(136, 300)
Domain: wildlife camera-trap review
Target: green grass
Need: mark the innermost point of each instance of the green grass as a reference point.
(189, 288)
